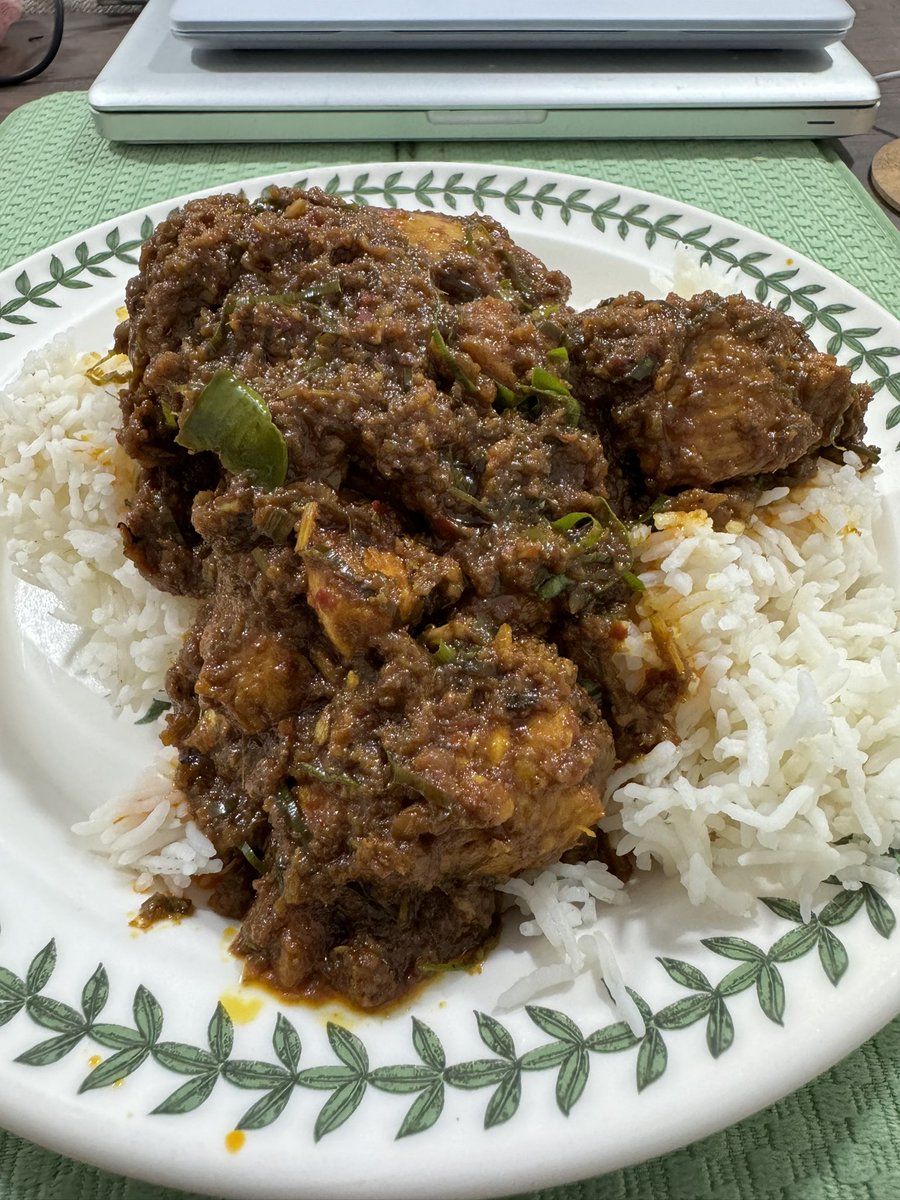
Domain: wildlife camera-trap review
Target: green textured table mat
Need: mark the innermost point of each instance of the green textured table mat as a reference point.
(837, 1138)
(57, 176)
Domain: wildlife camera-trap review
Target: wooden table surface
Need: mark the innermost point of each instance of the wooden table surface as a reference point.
(91, 37)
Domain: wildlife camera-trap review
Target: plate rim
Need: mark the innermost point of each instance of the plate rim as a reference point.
(802, 263)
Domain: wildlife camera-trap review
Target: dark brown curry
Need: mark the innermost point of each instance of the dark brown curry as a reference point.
(397, 469)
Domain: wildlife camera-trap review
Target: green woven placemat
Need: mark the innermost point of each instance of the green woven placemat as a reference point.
(839, 1137)
(58, 177)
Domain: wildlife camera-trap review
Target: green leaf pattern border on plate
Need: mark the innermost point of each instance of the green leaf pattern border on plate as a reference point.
(568, 1051)
(81, 274)
(775, 286)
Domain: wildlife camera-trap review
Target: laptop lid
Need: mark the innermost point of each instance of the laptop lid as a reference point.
(609, 24)
(156, 88)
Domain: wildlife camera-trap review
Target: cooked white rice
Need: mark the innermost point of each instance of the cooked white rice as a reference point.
(63, 482)
(785, 771)
(149, 831)
(562, 904)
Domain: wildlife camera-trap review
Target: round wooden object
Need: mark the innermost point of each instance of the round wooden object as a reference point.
(886, 173)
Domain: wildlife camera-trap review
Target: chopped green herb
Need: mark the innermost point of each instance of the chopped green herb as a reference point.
(446, 356)
(318, 291)
(444, 654)
(310, 295)
(277, 524)
(333, 777)
(634, 582)
(506, 397)
(252, 858)
(585, 526)
(468, 498)
(543, 383)
(154, 712)
(458, 964)
(613, 521)
(544, 311)
(520, 278)
(580, 596)
(641, 370)
(559, 352)
(403, 776)
(657, 506)
(119, 372)
(550, 587)
(476, 238)
(295, 819)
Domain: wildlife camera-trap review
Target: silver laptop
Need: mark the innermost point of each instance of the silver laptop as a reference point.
(520, 24)
(157, 88)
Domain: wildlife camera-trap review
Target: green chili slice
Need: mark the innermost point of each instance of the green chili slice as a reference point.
(232, 419)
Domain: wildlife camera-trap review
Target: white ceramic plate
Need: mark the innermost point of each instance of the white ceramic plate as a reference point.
(114, 1046)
